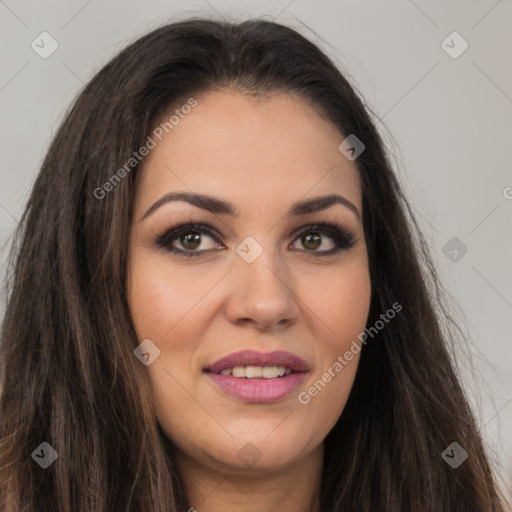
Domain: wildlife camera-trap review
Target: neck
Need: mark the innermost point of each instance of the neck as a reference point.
(213, 488)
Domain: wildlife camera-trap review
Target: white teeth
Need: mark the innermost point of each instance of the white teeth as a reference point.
(238, 371)
(257, 372)
(270, 372)
(253, 372)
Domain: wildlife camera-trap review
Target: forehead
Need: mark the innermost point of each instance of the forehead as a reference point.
(250, 150)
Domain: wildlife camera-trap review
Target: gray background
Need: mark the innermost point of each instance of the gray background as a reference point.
(447, 120)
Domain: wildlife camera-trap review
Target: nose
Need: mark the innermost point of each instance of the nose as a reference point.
(262, 294)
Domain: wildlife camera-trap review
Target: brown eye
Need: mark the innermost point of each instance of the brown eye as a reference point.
(312, 242)
(313, 238)
(186, 239)
(190, 241)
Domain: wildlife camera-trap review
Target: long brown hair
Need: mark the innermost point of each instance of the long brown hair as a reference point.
(68, 373)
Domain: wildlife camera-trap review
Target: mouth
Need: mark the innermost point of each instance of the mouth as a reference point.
(236, 364)
(257, 377)
(257, 372)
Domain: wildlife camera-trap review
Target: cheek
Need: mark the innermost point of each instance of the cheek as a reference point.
(341, 303)
(165, 308)
(343, 307)
(161, 300)
(347, 317)
(348, 310)
(169, 306)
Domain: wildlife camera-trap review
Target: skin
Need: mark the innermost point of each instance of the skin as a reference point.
(262, 155)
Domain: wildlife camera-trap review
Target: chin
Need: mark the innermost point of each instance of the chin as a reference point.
(271, 452)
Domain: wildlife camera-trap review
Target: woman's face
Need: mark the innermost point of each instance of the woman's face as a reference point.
(264, 280)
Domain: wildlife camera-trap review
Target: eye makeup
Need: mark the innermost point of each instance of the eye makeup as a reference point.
(171, 235)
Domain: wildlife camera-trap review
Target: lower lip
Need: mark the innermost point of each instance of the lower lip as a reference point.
(257, 390)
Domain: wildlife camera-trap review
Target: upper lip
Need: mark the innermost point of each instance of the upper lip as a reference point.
(255, 358)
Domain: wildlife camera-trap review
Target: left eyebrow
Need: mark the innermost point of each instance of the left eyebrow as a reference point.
(219, 206)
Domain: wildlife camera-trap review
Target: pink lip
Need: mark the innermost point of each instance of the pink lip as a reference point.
(258, 390)
(255, 358)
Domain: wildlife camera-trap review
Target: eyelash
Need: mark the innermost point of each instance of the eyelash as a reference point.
(342, 238)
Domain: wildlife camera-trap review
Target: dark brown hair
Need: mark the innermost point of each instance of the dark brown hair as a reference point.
(68, 373)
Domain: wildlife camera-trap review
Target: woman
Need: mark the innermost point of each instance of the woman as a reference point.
(218, 301)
